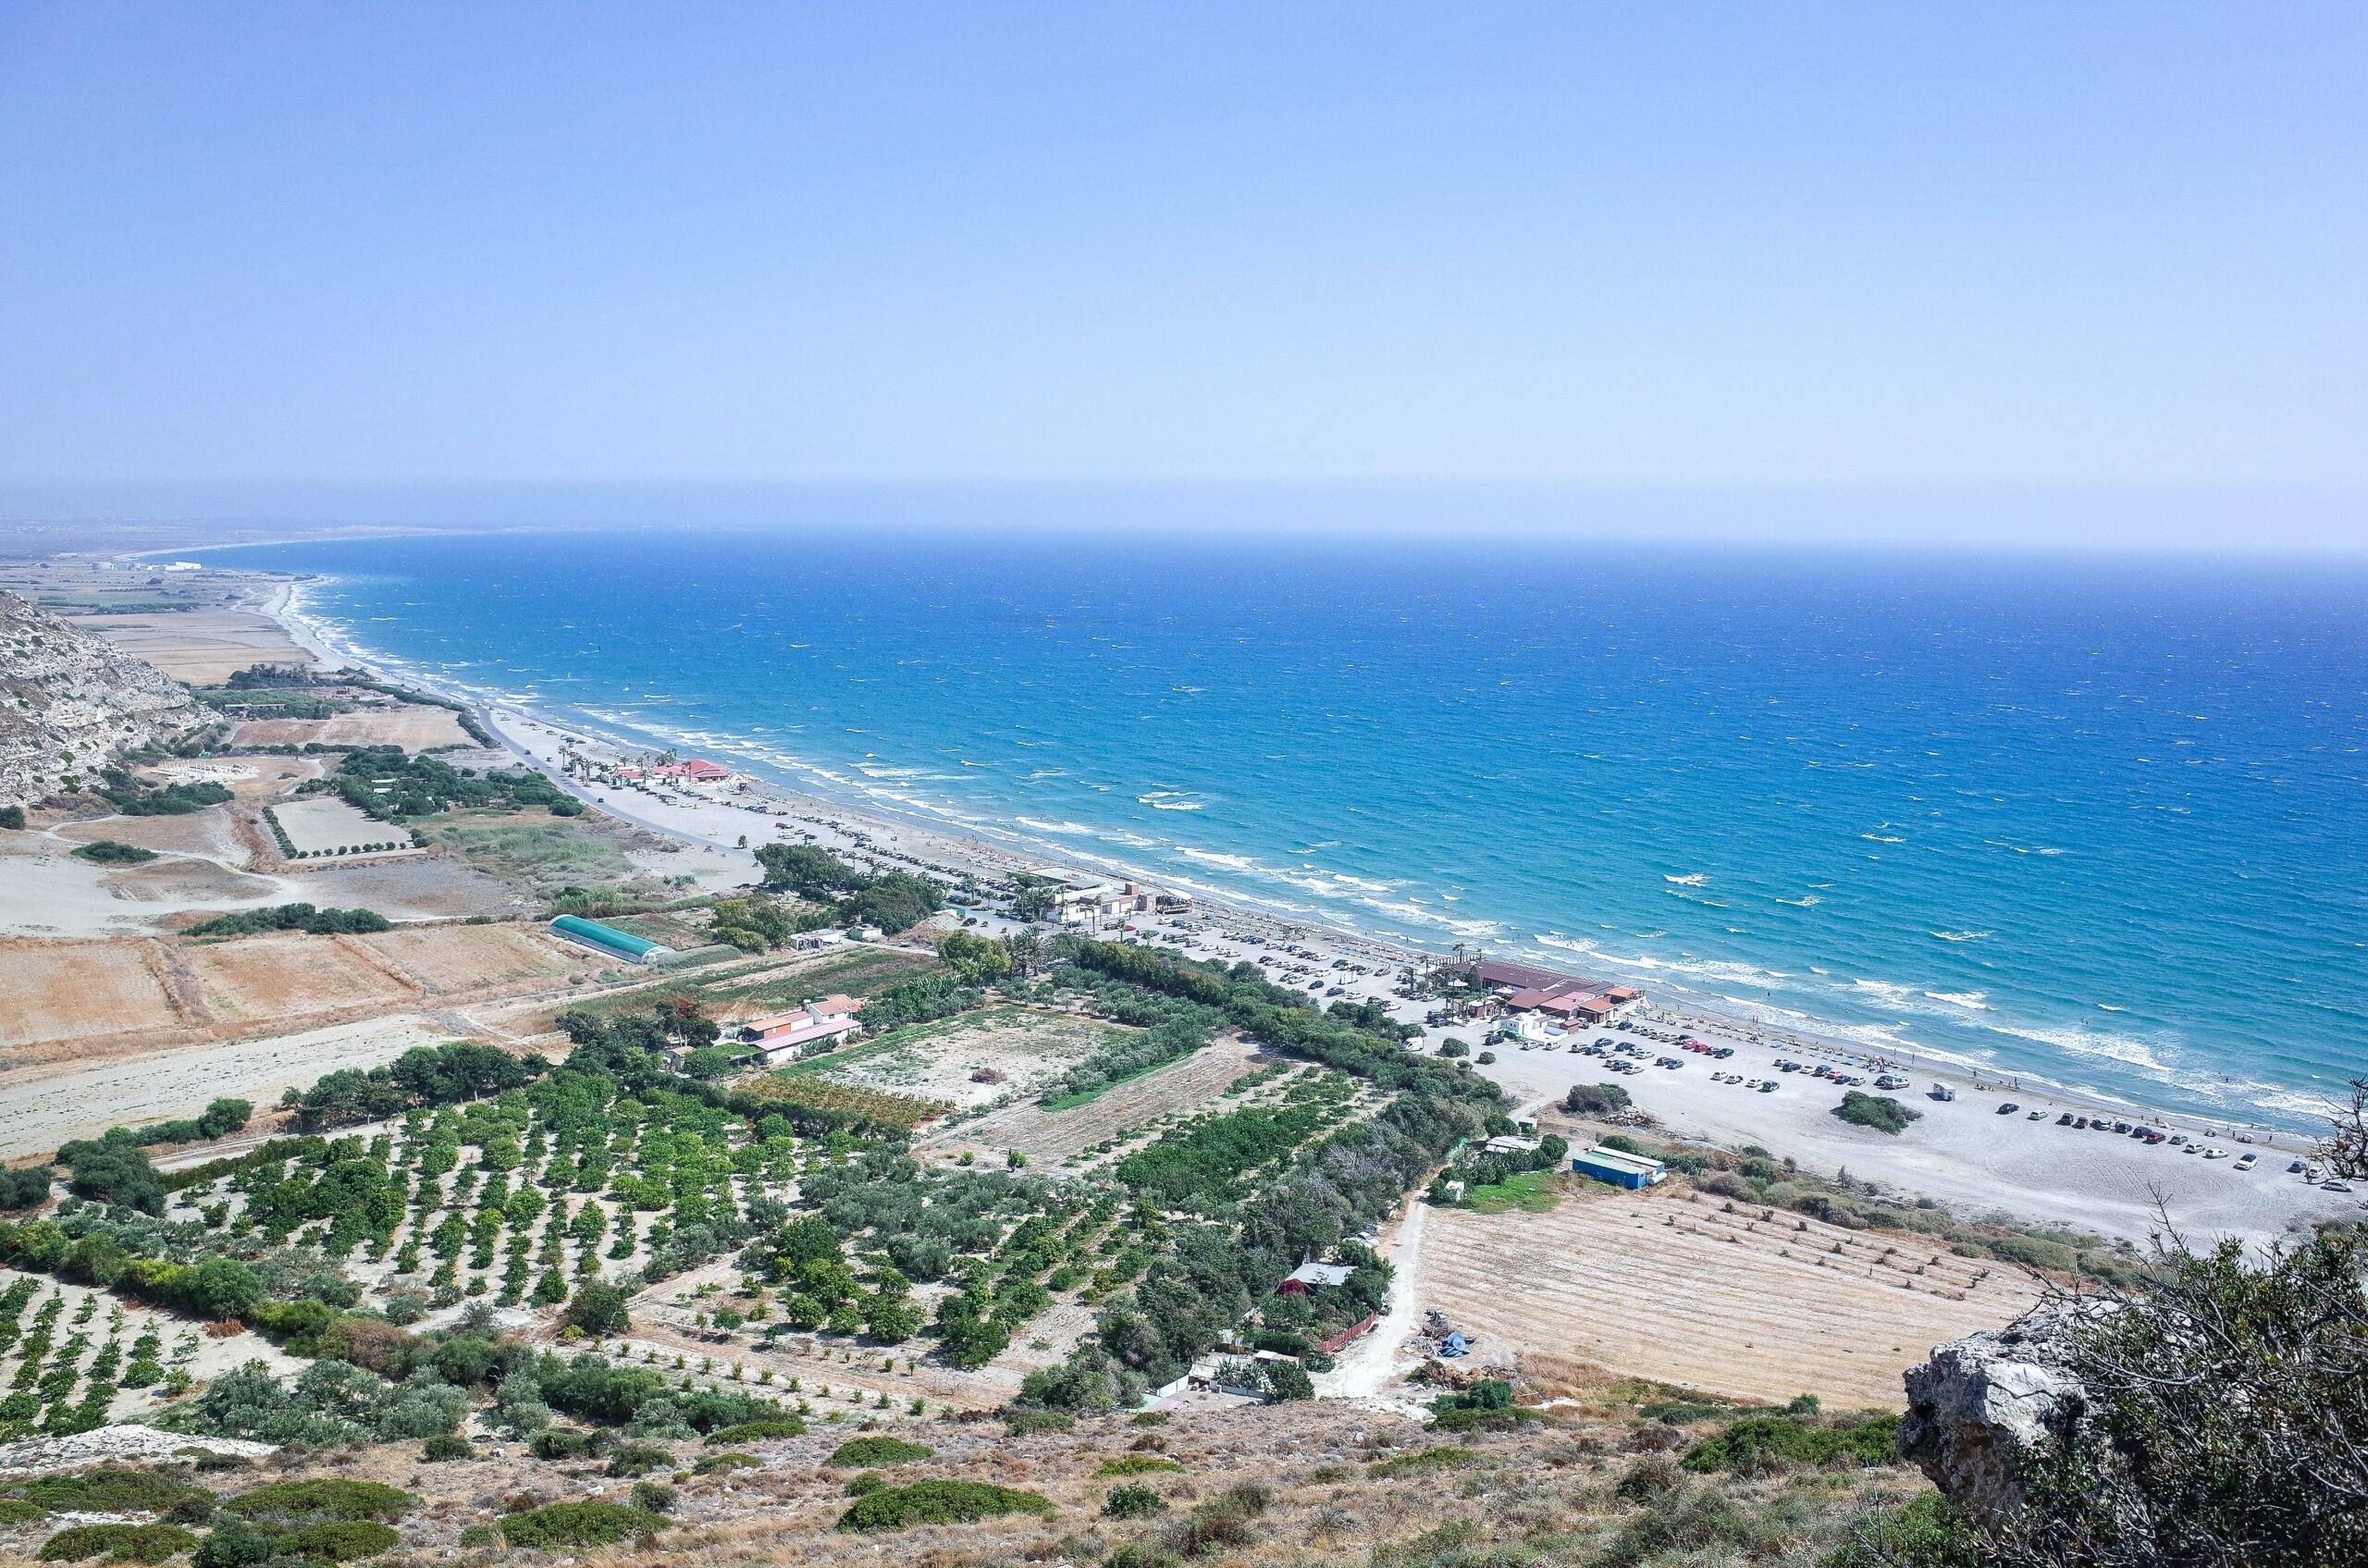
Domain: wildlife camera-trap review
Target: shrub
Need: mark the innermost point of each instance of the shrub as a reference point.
(1132, 1502)
(560, 1442)
(598, 1308)
(1695, 1519)
(1138, 1464)
(24, 1188)
(1926, 1532)
(117, 1543)
(1423, 1461)
(939, 1503)
(758, 1431)
(857, 1452)
(1020, 1423)
(638, 1459)
(1222, 1523)
(710, 1463)
(325, 1500)
(654, 1495)
(1595, 1099)
(12, 818)
(108, 852)
(17, 1510)
(1758, 1445)
(111, 1489)
(335, 1541)
(561, 1525)
(447, 1446)
(865, 1483)
(1879, 1111)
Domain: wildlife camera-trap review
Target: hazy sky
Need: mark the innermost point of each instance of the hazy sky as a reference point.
(1826, 244)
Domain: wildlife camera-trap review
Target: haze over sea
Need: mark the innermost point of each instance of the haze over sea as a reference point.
(2102, 820)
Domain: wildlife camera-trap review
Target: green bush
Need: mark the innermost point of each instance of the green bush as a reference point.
(1758, 1445)
(939, 1503)
(447, 1446)
(17, 1510)
(1924, 1533)
(865, 1483)
(111, 1489)
(757, 1431)
(561, 1443)
(1879, 1111)
(117, 1543)
(1423, 1461)
(1138, 1464)
(1132, 1502)
(857, 1452)
(322, 1501)
(638, 1459)
(561, 1525)
(710, 1463)
(335, 1541)
(1020, 1423)
(655, 1496)
(108, 852)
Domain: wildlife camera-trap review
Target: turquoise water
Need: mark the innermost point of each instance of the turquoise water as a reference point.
(2103, 821)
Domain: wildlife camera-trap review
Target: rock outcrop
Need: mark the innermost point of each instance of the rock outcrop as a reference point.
(1977, 1405)
(69, 701)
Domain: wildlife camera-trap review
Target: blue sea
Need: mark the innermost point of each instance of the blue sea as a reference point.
(2101, 821)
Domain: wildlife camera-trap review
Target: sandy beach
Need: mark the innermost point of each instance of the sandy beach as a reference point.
(1963, 1151)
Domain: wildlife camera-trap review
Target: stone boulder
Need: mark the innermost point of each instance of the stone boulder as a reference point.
(1977, 1405)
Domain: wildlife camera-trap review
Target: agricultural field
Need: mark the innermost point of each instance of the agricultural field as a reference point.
(459, 958)
(209, 832)
(323, 825)
(1061, 1133)
(73, 1357)
(413, 726)
(50, 1103)
(203, 647)
(967, 1061)
(1705, 1292)
(257, 978)
(80, 990)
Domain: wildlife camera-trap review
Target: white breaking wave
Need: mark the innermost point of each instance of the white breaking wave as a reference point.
(1691, 878)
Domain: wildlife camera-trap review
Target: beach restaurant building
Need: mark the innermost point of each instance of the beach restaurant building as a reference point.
(1525, 988)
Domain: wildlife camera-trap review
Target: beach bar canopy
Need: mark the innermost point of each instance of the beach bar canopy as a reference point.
(1618, 1167)
(610, 940)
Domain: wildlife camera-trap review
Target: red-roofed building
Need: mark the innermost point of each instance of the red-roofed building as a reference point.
(779, 1036)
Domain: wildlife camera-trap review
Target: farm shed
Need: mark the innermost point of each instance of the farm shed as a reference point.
(1618, 1167)
(610, 940)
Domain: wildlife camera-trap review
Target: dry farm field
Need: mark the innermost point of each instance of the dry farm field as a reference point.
(1693, 1290)
(50, 1103)
(325, 825)
(463, 957)
(1049, 1137)
(267, 977)
(201, 646)
(413, 726)
(67, 991)
(967, 1060)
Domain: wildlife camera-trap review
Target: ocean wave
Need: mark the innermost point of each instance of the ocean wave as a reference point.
(1168, 800)
(1691, 878)
(1806, 901)
(1881, 838)
(1973, 1001)
(1961, 935)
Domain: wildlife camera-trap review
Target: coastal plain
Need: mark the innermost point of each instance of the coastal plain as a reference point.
(127, 1007)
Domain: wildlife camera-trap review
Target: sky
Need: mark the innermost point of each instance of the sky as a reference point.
(2002, 250)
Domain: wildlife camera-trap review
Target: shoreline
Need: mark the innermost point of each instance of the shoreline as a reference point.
(2109, 1185)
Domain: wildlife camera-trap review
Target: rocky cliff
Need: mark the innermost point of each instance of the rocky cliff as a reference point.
(1979, 1407)
(69, 700)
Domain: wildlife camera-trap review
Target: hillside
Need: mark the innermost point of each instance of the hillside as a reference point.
(69, 701)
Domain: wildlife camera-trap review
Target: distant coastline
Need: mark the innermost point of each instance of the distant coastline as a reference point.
(1212, 873)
